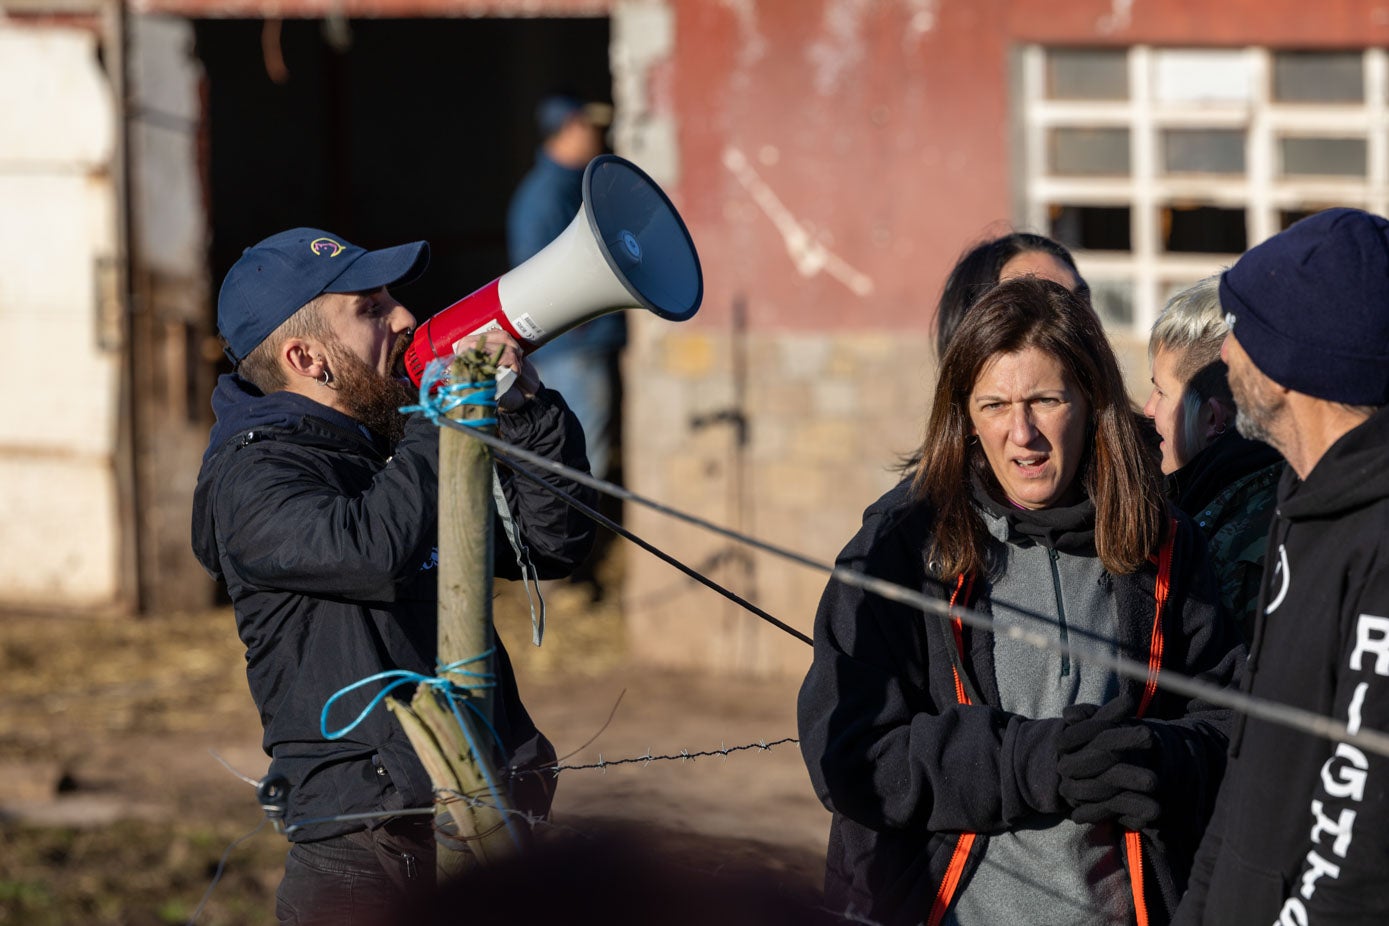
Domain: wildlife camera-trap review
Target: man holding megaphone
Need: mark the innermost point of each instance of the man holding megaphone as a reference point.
(317, 504)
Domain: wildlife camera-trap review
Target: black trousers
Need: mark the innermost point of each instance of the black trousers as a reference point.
(367, 878)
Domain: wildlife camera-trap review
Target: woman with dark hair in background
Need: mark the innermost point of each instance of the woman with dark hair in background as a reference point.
(980, 269)
(1225, 482)
(989, 263)
(972, 778)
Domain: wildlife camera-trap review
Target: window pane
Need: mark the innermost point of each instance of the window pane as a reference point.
(1287, 217)
(1113, 301)
(1090, 151)
(1203, 151)
(1202, 75)
(1318, 77)
(1172, 288)
(1092, 228)
(1087, 74)
(1337, 157)
(1204, 230)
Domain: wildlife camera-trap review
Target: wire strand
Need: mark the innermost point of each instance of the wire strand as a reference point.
(221, 869)
(1274, 712)
(621, 531)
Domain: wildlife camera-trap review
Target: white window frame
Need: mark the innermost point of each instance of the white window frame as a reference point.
(1260, 191)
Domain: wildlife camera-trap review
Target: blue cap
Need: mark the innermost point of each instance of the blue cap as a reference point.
(555, 110)
(276, 277)
(1310, 306)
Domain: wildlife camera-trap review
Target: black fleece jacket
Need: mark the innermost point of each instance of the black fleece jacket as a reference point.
(1301, 827)
(905, 768)
(325, 537)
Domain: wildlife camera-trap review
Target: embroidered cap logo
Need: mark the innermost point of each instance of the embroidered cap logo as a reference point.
(325, 247)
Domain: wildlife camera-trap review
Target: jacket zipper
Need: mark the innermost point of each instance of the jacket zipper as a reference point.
(1060, 610)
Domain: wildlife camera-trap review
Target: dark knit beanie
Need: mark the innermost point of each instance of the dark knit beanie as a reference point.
(1310, 306)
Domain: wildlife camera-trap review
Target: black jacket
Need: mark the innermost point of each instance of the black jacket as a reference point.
(905, 768)
(1301, 827)
(1229, 490)
(325, 537)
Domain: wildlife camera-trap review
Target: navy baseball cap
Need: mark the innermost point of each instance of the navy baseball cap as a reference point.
(276, 277)
(555, 110)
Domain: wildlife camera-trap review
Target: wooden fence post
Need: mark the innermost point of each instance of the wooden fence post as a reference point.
(460, 761)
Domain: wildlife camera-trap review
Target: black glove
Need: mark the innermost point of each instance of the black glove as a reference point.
(1110, 765)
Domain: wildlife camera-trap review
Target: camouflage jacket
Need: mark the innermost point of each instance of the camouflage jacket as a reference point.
(1236, 529)
(1234, 517)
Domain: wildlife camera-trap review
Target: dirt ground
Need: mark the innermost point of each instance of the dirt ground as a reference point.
(116, 811)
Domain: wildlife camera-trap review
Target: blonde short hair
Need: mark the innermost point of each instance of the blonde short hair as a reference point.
(1192, 328)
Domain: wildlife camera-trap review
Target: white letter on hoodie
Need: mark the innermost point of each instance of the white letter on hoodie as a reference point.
(1372, 638)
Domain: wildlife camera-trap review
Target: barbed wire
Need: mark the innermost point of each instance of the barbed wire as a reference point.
(683, 755)
(445, 796)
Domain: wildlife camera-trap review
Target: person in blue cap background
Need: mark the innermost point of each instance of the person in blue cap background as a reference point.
(581, 364)
(1300, 833)
(317, 504)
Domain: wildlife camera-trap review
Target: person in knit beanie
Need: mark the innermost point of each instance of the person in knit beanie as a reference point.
(1300, 832)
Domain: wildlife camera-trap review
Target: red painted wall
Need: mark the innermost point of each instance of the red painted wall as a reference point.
(885, 142)
(883, 128)
(1276, 23)
(369, 9)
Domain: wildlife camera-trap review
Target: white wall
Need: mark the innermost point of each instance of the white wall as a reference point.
(59, 322)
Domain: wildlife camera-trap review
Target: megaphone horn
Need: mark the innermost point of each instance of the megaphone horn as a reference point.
(626, 248)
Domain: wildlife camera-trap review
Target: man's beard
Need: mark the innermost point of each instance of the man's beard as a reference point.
(366, 395)
(1250, 427)
(1255, 407)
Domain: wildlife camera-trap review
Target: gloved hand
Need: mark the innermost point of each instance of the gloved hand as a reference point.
(1110, 765)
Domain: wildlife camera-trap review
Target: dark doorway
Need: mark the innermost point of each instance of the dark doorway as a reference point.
(385, 131)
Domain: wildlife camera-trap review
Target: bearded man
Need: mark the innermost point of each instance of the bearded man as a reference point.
(1300, 832)
(317, 505)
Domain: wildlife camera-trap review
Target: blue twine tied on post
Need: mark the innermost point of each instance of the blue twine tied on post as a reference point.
(440, 683)
(439, 395)
(450, 690)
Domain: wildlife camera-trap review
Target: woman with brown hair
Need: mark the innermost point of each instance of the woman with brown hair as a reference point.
(972, 776)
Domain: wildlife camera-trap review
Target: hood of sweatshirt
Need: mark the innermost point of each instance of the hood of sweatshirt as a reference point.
(1351, 474)
(1064, 528)
(246, 415)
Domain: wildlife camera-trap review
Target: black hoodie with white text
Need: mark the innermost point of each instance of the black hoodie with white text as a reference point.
(1301, 827)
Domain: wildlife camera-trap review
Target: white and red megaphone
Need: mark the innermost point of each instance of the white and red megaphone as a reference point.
(626, 248)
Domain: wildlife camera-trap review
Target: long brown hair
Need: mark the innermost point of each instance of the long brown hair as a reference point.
(1116, 471)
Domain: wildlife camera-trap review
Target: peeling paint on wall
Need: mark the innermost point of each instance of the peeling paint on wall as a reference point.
(752, 45)
(1119, 17)
(921, 21)
(836, 56)
(809, 255)
(643, 36)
